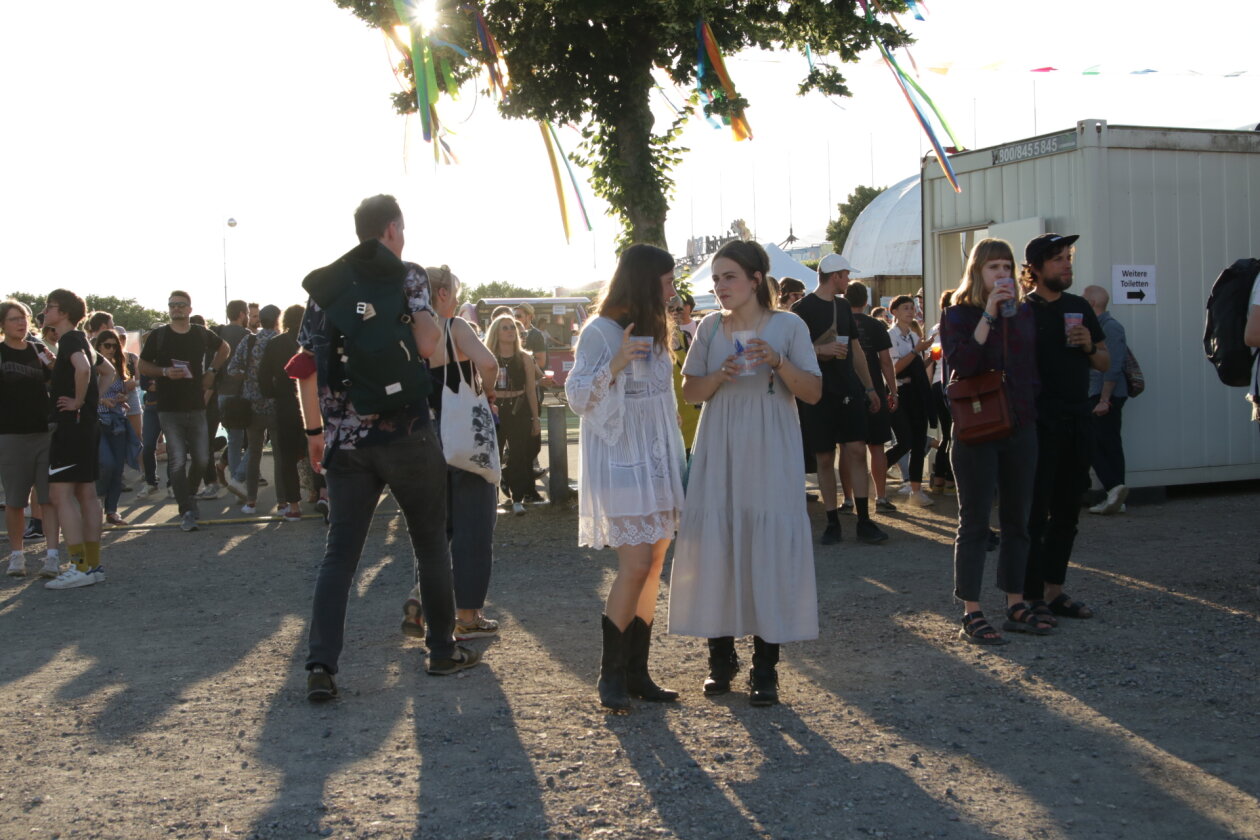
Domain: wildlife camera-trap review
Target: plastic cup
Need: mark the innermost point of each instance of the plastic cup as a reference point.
(741, 338)
(843, 341)
(1007, 308)
(1071, 319)
(639, 367)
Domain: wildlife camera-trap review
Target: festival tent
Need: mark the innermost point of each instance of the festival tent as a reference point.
(781, 265)
(887, 238)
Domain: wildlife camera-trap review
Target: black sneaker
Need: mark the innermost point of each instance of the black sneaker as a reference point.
(870, 533)
(534, 497)
(831, 534)
(34, 531)
(845, 507)
(883, 504)
(463, 658)
(320, 685)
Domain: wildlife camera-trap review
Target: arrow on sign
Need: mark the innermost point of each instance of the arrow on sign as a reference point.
(1140, 294)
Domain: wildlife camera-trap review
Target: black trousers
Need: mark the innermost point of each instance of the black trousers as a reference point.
(941, 468)
(910, 423)
(1108, 449)
(1063, 449)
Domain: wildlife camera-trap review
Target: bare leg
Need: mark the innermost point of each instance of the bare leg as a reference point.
(68, 514)
(879, 469)
(90, 505)
(855, 457)
(845, 483)
(15, 524)
(646, 608)
(634, 563)
(827, 478)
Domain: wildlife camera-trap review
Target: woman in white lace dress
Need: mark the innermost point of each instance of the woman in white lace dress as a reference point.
(630, 486)
(744, 563)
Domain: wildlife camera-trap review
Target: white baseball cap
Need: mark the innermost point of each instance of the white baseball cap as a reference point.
(832, 263)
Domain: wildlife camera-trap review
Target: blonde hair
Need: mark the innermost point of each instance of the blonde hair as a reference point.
(971, 290)
(492, 334)
(441, 278)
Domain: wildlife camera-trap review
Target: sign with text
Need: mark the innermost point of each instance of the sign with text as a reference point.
(1041, 147)
(1132, 284)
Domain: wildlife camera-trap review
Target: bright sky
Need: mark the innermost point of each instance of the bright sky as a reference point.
(134, 131)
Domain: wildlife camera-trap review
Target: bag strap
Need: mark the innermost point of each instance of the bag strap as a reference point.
(451, 358)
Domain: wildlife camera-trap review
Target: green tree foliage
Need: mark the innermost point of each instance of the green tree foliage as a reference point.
(590, 62)
(499, 289)
(850, 209)
(127, 312)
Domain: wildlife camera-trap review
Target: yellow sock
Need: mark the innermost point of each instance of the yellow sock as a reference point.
(91, 557)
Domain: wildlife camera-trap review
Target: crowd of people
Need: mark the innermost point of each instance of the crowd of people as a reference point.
(693, 433)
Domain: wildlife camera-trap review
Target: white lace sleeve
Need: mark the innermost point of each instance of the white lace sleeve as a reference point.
(592, 393)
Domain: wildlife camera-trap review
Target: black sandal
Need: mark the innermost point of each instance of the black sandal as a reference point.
(977, 630)
(1065, 606)
(1021, 619)
(1043, 612)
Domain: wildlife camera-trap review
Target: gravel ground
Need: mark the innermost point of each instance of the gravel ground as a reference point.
(169, 701)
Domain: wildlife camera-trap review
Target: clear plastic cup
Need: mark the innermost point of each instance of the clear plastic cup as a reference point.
(843, 341)
(1007, 308)
(741, 339)
(1071, 319)
(639, 367)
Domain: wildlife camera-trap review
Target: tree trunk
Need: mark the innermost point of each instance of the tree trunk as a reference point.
(636, 182)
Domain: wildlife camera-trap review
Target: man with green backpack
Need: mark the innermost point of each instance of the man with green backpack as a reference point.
(364, 387)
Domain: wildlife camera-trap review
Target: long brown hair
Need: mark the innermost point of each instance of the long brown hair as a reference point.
(971, 290)
(120, 361)
(634, 295)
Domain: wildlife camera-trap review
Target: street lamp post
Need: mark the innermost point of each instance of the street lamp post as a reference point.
(231, 223)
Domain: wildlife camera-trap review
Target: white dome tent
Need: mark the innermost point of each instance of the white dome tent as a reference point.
(781, 265)
(885, 244)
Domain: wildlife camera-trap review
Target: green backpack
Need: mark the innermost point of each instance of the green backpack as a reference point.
(374, 358)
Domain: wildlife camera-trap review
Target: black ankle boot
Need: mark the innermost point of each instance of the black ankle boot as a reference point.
(638, 682)
(612, 668)
(723, 665)
(763, 679)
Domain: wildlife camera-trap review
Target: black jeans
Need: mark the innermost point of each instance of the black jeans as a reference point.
(1063, 448)
(470, 520)
(1009, 467)
(516, 435)
(1108, 452)
(415, 472)
(910, 422)
(940, 403)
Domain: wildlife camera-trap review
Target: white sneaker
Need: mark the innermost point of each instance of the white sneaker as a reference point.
(146, 491)
(904, 490)
(210, 491)
(170, 492)
(72, 578)
(249, 510)
(17, 564)
(188, 521)
(518, 508)
(237, 487)
(1116, 497)
(920, 499)
(52, 566)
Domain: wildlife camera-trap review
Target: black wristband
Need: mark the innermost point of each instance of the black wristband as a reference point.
(1092, 350)
(316, 432)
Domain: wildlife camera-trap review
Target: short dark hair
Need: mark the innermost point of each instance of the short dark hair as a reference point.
(687, 299)
(69, 303)
(236, 308)
(181, 293)
(857, 294)
(197, 319)
(99, 319)
(269, 316)
(374, 215)
(899, 300)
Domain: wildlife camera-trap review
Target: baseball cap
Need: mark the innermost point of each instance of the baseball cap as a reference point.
(1039, 247)
(833, 263)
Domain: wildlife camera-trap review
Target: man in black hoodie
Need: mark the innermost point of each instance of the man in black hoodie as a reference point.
(363, 452)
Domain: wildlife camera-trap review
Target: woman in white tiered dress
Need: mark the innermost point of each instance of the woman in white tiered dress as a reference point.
(743, 563)
(630, 481)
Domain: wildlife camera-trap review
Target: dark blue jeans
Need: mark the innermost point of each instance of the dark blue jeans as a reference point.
(113, 455)
(470, 520)
(414, 470)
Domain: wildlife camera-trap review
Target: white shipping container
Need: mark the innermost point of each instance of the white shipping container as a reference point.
(1160, 211)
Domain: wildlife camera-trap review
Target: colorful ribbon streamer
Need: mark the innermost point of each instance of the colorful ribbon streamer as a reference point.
(709, 58)
(577, 191)
(555, 175)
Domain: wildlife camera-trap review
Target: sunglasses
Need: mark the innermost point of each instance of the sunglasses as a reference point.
(177, 304)
(110, 346)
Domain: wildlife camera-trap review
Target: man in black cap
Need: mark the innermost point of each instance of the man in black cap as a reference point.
(1070, 342)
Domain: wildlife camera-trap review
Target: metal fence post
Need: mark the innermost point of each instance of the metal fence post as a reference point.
(557, 455)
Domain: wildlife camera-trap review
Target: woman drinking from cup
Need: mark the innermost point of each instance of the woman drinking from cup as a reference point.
(978, 335)
(744, 562)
